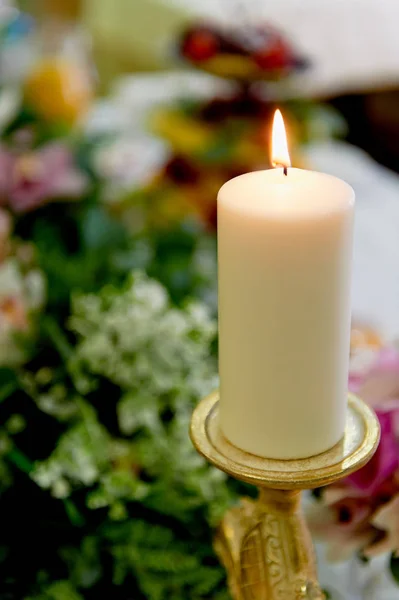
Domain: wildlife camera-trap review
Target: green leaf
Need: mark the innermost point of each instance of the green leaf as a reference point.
(25, 117)
(8, 383)
(73, 513)
(84, 562)
(20, 460)
(58, 337)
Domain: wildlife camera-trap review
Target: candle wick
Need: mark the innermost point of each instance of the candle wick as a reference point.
(285, 171)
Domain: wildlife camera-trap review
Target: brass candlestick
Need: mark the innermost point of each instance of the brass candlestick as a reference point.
(265, 544)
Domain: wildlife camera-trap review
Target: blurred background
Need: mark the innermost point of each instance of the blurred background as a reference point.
(351, 45)
(119, 122)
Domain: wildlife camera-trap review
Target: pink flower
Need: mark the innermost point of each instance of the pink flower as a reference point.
(386, 519)
(344, 524)
(379, 387)
(30, 179)
(377, 376)
(13, 313)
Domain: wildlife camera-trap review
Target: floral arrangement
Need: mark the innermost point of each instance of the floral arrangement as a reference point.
(361, 513)
(107, 339)
(118, 402)
(100, 366)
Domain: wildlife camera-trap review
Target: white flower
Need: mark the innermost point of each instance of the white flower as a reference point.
(11, 280)
(20, 295)
(35, 289)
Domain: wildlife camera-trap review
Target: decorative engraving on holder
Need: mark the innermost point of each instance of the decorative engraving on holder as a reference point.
(268, 554)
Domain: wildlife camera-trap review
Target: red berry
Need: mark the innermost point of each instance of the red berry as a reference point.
(200, 45)
(275, 56)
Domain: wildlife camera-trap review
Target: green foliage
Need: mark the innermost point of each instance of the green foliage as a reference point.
(112, 380)
(184, 261)
(60, 590)
(167, 568)
(8, 383)
(136, 362)
(78, 247)
(94, 413)
(5, 473)
(84, 562)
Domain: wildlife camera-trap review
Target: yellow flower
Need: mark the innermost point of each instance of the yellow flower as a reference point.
(184, 134)
(58, 90)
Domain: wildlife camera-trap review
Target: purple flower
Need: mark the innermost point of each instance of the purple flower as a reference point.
(384, 462)
(30, 179)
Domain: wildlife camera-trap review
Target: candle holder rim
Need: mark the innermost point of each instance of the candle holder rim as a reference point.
(360, 441)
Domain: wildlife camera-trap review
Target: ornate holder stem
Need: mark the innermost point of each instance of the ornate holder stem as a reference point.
(265, 544)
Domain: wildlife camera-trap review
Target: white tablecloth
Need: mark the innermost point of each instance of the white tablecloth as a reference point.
(376, 251)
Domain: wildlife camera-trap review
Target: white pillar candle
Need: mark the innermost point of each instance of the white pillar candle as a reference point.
(284, 252)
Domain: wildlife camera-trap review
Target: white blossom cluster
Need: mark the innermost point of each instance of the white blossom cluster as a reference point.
(159, 359)
(81, 456)
(136, 340)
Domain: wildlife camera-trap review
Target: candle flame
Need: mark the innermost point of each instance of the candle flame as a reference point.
(280, 154)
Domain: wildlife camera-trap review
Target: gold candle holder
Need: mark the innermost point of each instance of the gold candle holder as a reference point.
(265, 544)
